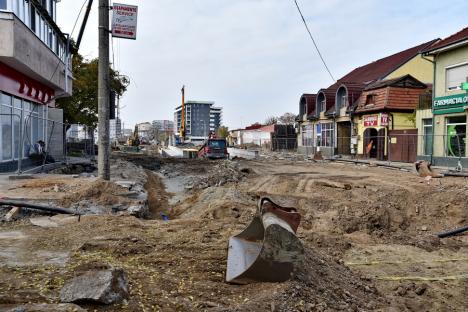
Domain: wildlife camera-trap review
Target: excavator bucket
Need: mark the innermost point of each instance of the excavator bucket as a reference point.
(268, 248)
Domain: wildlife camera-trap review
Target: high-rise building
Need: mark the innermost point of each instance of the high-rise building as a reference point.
(201, 119)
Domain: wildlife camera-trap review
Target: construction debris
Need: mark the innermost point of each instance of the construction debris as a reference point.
(45, 307)
(12, 214)
(424, 170)
(100, 286)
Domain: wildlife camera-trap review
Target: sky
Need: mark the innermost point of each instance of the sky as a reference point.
(254, 58)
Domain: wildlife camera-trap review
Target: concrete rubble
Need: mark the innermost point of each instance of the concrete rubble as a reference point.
(103, 286)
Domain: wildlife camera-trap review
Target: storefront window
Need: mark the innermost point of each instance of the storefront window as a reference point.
(456, 136)
(325, 139)
(5, 118)
(427, 133)
(17, 110)
(307, 136)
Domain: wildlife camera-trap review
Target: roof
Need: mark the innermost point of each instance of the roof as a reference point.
(379, 69)
(406, 81)
(455, 38)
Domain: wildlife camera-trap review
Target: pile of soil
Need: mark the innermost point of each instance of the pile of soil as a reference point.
(99, 192)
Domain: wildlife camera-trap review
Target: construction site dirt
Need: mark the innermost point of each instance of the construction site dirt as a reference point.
(368, 233)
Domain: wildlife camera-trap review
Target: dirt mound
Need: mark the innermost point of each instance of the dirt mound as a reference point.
(216, 203)
(219, 174)
(99, 192)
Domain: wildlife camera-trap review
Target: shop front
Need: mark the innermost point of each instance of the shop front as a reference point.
(449, 114)
(450, 125)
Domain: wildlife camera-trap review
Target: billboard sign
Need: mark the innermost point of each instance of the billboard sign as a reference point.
(371, 120)
(124, 21)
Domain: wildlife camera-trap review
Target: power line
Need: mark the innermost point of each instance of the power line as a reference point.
(315, 44)
(77, 18)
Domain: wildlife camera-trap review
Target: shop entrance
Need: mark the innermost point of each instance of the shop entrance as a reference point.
(343, 138)
(374, 143)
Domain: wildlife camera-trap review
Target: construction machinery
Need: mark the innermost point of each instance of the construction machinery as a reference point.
(182, 120)
(268, 249)
(134, 139)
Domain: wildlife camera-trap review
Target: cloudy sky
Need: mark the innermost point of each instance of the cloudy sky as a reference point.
(254, 57)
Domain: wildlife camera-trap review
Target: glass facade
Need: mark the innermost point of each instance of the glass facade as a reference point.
(427, 132)
(325, 136)
(17, 114)
(455, 136)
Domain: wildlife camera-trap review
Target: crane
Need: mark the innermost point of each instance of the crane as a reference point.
(182, 122)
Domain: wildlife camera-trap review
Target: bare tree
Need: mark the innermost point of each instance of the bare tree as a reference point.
(272, 120)
(287, 119)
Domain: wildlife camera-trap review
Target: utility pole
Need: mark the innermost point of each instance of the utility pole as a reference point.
(103, 91)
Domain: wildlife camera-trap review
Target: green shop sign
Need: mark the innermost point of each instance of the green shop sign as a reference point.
(451, 103)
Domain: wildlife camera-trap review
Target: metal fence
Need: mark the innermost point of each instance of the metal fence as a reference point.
(395, 146)
(32, 141)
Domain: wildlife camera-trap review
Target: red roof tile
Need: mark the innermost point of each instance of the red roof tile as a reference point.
(381, 68)
(457, 37)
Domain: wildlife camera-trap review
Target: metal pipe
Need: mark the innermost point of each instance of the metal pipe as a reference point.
(453, 233)
(57, 210)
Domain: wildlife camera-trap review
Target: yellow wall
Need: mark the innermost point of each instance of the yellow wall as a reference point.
(420, 115)
(401, 121)
(418, 67)
(443, 60)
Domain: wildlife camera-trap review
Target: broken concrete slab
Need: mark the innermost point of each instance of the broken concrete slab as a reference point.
(44, 222)
(12, 214)
(44, 307)
(102, 286)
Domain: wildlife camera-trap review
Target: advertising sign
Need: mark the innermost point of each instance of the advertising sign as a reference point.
(384, 119)
(458, 100)
(371, 121)
(124, 21)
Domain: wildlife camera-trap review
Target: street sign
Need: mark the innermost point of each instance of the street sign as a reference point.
(124, 21)
(384, 119)
(464, 86)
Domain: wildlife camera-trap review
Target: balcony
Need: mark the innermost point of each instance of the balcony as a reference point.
(22, 50)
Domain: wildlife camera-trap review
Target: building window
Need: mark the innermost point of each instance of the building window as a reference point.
(455, 76)
(370, 99)
(307, 136)
(325, 135)
(32, 17)
(3, 4)
(456, 136)
(427, 136)
(6, 123)
(323, 106)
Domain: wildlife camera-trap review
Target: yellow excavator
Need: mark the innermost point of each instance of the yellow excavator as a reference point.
(134, 140)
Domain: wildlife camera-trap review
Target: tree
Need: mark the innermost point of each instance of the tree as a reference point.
(287, 119)
(272, 120)
(82, 107)
(223, 132)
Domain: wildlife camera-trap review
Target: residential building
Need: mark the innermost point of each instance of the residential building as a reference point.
(443, 126)
(34, 71)
(271, 137)
(201, 119)
(166, 126)
(326, 121)
(145, 130)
